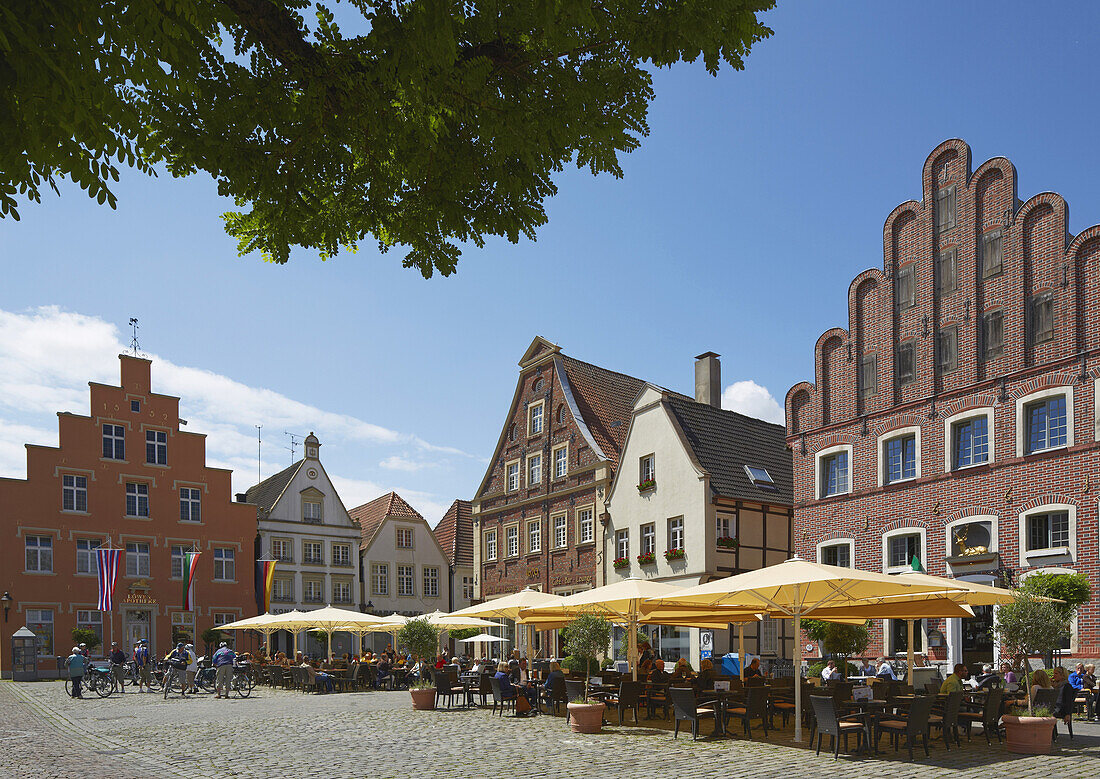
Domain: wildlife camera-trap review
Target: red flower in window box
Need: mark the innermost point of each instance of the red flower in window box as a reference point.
(674, 554)
(648, 484)
(725, 542)
(647, 559)
(621, 562)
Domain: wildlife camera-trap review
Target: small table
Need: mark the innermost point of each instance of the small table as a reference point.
(867, 711)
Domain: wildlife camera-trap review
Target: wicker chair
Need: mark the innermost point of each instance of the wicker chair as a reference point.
(685, 707)
(948, 720)
(628, 697)
(754, 707)
(912, 726)
(499, 699)
(989, 717)
(829, 723)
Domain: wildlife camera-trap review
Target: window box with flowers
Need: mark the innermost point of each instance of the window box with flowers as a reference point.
(647, 558)
(725, 542)
(674, 554)
(621, 562)
(647, 485)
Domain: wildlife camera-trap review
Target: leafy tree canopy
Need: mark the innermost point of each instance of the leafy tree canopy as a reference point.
(1072, 588)
(838, 639)
(419, 123)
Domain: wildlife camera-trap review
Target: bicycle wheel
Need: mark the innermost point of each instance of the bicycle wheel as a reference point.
(104, 684)
(69, 687)
(242, 684)
(169, 679)
(207, 682)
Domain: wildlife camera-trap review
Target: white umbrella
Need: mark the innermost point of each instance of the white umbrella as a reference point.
(482, 638)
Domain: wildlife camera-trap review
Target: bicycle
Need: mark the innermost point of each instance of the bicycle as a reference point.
(97, 679)
(242, 679)
(174, 676)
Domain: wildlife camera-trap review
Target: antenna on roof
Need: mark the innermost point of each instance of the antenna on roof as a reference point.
(258, 451)
(295, 442)
(135, 347)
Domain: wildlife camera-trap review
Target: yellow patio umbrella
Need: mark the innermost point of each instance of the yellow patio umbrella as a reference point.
(331, 619)
(264, 623)
(457, 621)
(796, 588)
(620, 601)
(510, 606)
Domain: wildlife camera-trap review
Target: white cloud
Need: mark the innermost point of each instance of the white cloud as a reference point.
(749, 398)
(356, 492)
(48, 356)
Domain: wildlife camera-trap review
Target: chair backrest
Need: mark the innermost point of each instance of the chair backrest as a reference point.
(756, 702)
(442, 683)
(558, 690)
(931, 688)
(574, 689)
(754, 681)
(825, 713)
(484, 684)
(736, 683)
(919, 711)
(498, 694)
(1043, 697)
(951, 709)
(991, 712)
(683, 702)
(630, 693)
(880, 691)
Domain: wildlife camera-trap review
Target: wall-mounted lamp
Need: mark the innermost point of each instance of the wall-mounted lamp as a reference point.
(6, 599)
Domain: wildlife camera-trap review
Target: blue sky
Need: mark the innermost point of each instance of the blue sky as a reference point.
(737, 227)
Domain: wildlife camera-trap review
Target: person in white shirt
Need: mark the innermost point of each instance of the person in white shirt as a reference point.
(885, 670)
(192, 668)
(830, 672)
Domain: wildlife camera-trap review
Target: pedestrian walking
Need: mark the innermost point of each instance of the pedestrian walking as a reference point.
(77, 664)
(143, 666)
(223, 665)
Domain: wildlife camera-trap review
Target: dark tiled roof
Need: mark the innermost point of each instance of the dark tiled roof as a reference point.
(725, 442)
(371, 515)
(266, 493)
(455, 533)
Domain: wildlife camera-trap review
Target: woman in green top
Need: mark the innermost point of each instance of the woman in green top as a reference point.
(77, 664)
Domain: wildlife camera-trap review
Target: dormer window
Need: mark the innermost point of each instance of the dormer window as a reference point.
(760, 477)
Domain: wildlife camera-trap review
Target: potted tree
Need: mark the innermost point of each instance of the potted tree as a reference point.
(844, 641)
(588, 637)
(1026, 627)
(422, 639)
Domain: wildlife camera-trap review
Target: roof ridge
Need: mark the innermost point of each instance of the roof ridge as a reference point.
(731, 411)
(295, 464)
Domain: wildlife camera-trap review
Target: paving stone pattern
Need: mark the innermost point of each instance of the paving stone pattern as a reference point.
(46, 735)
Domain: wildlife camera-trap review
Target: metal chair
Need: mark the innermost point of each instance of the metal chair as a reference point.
(685, 707)
(829, 723)
(912, 726)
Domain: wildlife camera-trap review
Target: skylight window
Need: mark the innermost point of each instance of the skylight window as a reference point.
(760, 477)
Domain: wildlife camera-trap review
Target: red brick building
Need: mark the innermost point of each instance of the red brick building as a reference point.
(955, 418)
(129, 475)
(537, 514)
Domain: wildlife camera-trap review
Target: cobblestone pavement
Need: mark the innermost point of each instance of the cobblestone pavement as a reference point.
(44, 734)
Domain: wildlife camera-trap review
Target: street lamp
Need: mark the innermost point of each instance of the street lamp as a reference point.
(6, 599)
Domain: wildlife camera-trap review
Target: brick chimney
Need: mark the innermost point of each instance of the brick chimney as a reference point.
(708, 379)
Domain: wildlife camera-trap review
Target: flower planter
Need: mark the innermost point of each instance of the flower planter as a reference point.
(423, 700)
(674, 554)
(1028, 735)
(726, 542)
(586, 717)
(647, 485)
(647, 559)
(621, 563)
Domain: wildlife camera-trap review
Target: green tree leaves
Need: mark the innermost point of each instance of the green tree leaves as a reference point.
(441, 123)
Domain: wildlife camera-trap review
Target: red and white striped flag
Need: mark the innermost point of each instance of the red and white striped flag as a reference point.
(108, 571)
(190, 568)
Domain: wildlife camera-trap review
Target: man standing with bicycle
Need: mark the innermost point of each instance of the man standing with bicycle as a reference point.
(177, 665)
(77, 663)
(223, 664)
(118, 665)
(142, 665)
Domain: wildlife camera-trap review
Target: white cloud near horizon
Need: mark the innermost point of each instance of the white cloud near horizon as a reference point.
(753, 400)
(48, 356)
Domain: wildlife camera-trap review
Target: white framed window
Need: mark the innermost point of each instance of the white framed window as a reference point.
(156, 447)
(1044, 420)
(534, 418)
(725, 526)
(967, 536)
(534, 470)
(490, 544)
(137, 499)
(190, 504)
(176, 553)
(511, 540)
(586, 527)
(114, 442)
(834, 475)
(406, 583)
(899, 455)
(649, 539)
(467, 588)
(431, 582)
(622, 543)
(40, 622)
(404, 537)
(561, 531)
(971, 439)
(312, 511)
(313, 590)
(137, 558)
(1048, 533)
(769, 636)
(676, 533)
(183, 626)
(512, 483)
(282, 549)
(74, 492)
(39, 554)
(282, 590)
(380, 579)
(87, 561)
(313, 553)
(900, 546)
(89, 619)
(341, 555)
(561, 461)
(647, 469)
(341, 591)
(534, 535)
(225, 565)
(838, 551)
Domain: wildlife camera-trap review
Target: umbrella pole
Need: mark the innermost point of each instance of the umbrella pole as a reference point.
(797, 675)
(741, 648)
(632, 645)
(909, 649)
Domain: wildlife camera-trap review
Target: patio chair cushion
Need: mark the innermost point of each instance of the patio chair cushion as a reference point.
(704, 711)
(736, 710)
(850, 725)
(783, 705)
(974, 715)
(935, 718)
(892, 723)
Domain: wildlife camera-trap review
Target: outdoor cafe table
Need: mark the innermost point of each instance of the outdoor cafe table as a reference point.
(869, 710)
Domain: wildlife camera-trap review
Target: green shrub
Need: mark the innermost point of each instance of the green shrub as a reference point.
(575, 665)
(85, 636)
(819, 666)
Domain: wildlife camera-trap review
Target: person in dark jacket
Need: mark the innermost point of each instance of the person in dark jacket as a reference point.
(1067, 695)
(510, 690)
(658, 674)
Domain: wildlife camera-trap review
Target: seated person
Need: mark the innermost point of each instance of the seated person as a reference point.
(753, 669)
(1008, 676)
(987, 680)
(1078, 680)
(1039, 681)
(658, 675)
(682, 671)
(318, 678)
(645, 662)
(1067, 695)
(441, 661)
(954, 680)
(885, 670)
(830, 672)
(508, 690)
(707, 674)
(868, 668)
(385, 670)
(548, 683)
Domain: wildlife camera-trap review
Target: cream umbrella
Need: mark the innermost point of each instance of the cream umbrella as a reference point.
(331, 619)
(456, 621)
(796, 588)
(620, 601)
(264, 623)
(510, 606)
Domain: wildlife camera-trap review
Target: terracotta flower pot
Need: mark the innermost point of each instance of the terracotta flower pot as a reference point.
(586, 717)
(1028, 735)
(423, 699)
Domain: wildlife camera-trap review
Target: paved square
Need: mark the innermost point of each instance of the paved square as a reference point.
(377, 734)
